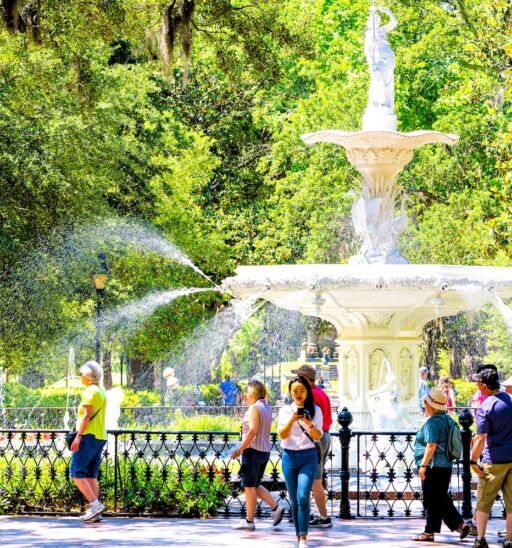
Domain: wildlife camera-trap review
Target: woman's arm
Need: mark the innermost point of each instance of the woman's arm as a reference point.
(254, 426)
(286, 430)
(393, 21)
(82, 425)
(427, 457)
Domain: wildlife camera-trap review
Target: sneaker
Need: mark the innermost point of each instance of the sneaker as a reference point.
(244, 525)
(320, 522)
(93, 512)
(302, 544)
(480, 543)
(277, 515)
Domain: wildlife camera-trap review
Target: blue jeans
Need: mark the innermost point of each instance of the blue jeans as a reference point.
(299, 469)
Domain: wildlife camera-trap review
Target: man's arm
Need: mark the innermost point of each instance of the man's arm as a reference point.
(477, 450)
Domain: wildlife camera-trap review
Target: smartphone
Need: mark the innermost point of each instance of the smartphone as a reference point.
(300, 411)
(306, 414)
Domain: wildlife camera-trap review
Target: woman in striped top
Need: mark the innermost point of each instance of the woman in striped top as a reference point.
(255, 451)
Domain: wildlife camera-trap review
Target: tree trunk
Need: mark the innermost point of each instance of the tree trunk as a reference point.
(10, 14)
(140, 375)
(431, 339)
(456, 354)
(107, 369)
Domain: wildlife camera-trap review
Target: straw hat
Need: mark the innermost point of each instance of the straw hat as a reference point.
(436, 399)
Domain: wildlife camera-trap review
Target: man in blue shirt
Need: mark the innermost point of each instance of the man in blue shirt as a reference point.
(493, 443)
(228, 389)
(422, 388)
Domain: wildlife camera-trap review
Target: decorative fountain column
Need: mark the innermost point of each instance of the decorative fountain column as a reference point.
(378, 302)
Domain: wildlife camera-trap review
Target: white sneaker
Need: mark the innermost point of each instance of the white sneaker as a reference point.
(302, 544)
(93, 512)
(277, 515)
(244, 525)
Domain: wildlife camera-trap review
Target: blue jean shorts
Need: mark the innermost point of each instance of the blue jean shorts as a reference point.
(85, 463)
(253, 467)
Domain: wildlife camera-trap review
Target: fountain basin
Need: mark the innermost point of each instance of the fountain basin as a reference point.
(378, 300)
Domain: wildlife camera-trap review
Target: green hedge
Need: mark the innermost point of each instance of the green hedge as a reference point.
(173, 489)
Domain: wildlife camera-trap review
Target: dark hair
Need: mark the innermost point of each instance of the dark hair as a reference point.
(309, 404)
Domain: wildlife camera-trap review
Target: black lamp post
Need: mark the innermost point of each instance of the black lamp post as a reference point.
(100, 279)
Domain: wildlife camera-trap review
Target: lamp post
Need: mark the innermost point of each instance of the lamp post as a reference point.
(100, 279)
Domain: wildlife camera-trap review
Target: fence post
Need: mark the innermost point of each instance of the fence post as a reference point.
(345, 420)
(116, 468)
(466, 420)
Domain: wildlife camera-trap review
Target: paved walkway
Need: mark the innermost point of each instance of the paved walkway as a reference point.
(44, 532)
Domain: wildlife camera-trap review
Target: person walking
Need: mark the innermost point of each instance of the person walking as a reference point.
(422, 388)
(255, 451)
(322, 400)
(299, 426)
(228, 389)
(90, 439)
(435, 469)
(493, 445)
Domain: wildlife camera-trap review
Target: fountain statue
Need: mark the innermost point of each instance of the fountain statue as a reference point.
(386, 410)
(381, 61)
(378, 303)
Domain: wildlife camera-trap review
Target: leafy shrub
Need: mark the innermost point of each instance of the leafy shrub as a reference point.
(138, 398)
(37, 480)
(465, 389)
(205, 423)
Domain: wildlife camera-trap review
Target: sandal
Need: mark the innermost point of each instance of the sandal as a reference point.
(463, 531)
(424, 537)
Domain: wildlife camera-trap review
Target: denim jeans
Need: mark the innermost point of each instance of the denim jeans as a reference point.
(299, 469)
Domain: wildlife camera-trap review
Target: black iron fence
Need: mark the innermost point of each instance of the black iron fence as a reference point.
(190, 473)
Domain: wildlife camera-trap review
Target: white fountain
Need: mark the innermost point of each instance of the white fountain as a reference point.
(378, 302)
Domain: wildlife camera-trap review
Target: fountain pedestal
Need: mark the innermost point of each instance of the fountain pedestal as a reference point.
(378, 312)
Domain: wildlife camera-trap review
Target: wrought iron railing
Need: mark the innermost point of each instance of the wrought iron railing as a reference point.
(188, 473)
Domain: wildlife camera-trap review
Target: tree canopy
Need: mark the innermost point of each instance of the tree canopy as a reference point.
(186, 116)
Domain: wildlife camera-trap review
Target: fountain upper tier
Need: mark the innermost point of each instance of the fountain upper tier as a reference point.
(377, 301)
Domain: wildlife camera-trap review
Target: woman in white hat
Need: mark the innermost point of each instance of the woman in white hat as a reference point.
(435, 469)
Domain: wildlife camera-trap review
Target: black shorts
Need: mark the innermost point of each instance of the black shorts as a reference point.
(253, 467)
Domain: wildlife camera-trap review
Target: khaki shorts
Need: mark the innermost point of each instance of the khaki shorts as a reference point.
(488, 489)
(325, 444)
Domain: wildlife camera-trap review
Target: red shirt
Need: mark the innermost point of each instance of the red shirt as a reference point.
(323, 401)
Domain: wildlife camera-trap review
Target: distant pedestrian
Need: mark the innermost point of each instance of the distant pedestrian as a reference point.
(322, 400)
(228, 389)
(479, 397)
(493, 444)
(435, 469)
(255, 451)
(299, 425)
(90, 440)
(422, 388)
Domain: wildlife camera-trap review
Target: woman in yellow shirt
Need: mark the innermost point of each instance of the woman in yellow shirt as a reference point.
(90, 440)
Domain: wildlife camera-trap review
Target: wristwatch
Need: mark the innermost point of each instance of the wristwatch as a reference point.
(473, 462)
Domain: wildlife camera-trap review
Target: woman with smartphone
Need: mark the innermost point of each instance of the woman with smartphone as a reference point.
(299, 426)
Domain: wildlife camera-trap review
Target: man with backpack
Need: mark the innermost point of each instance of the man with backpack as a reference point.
(493, 444)
(438, 444)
